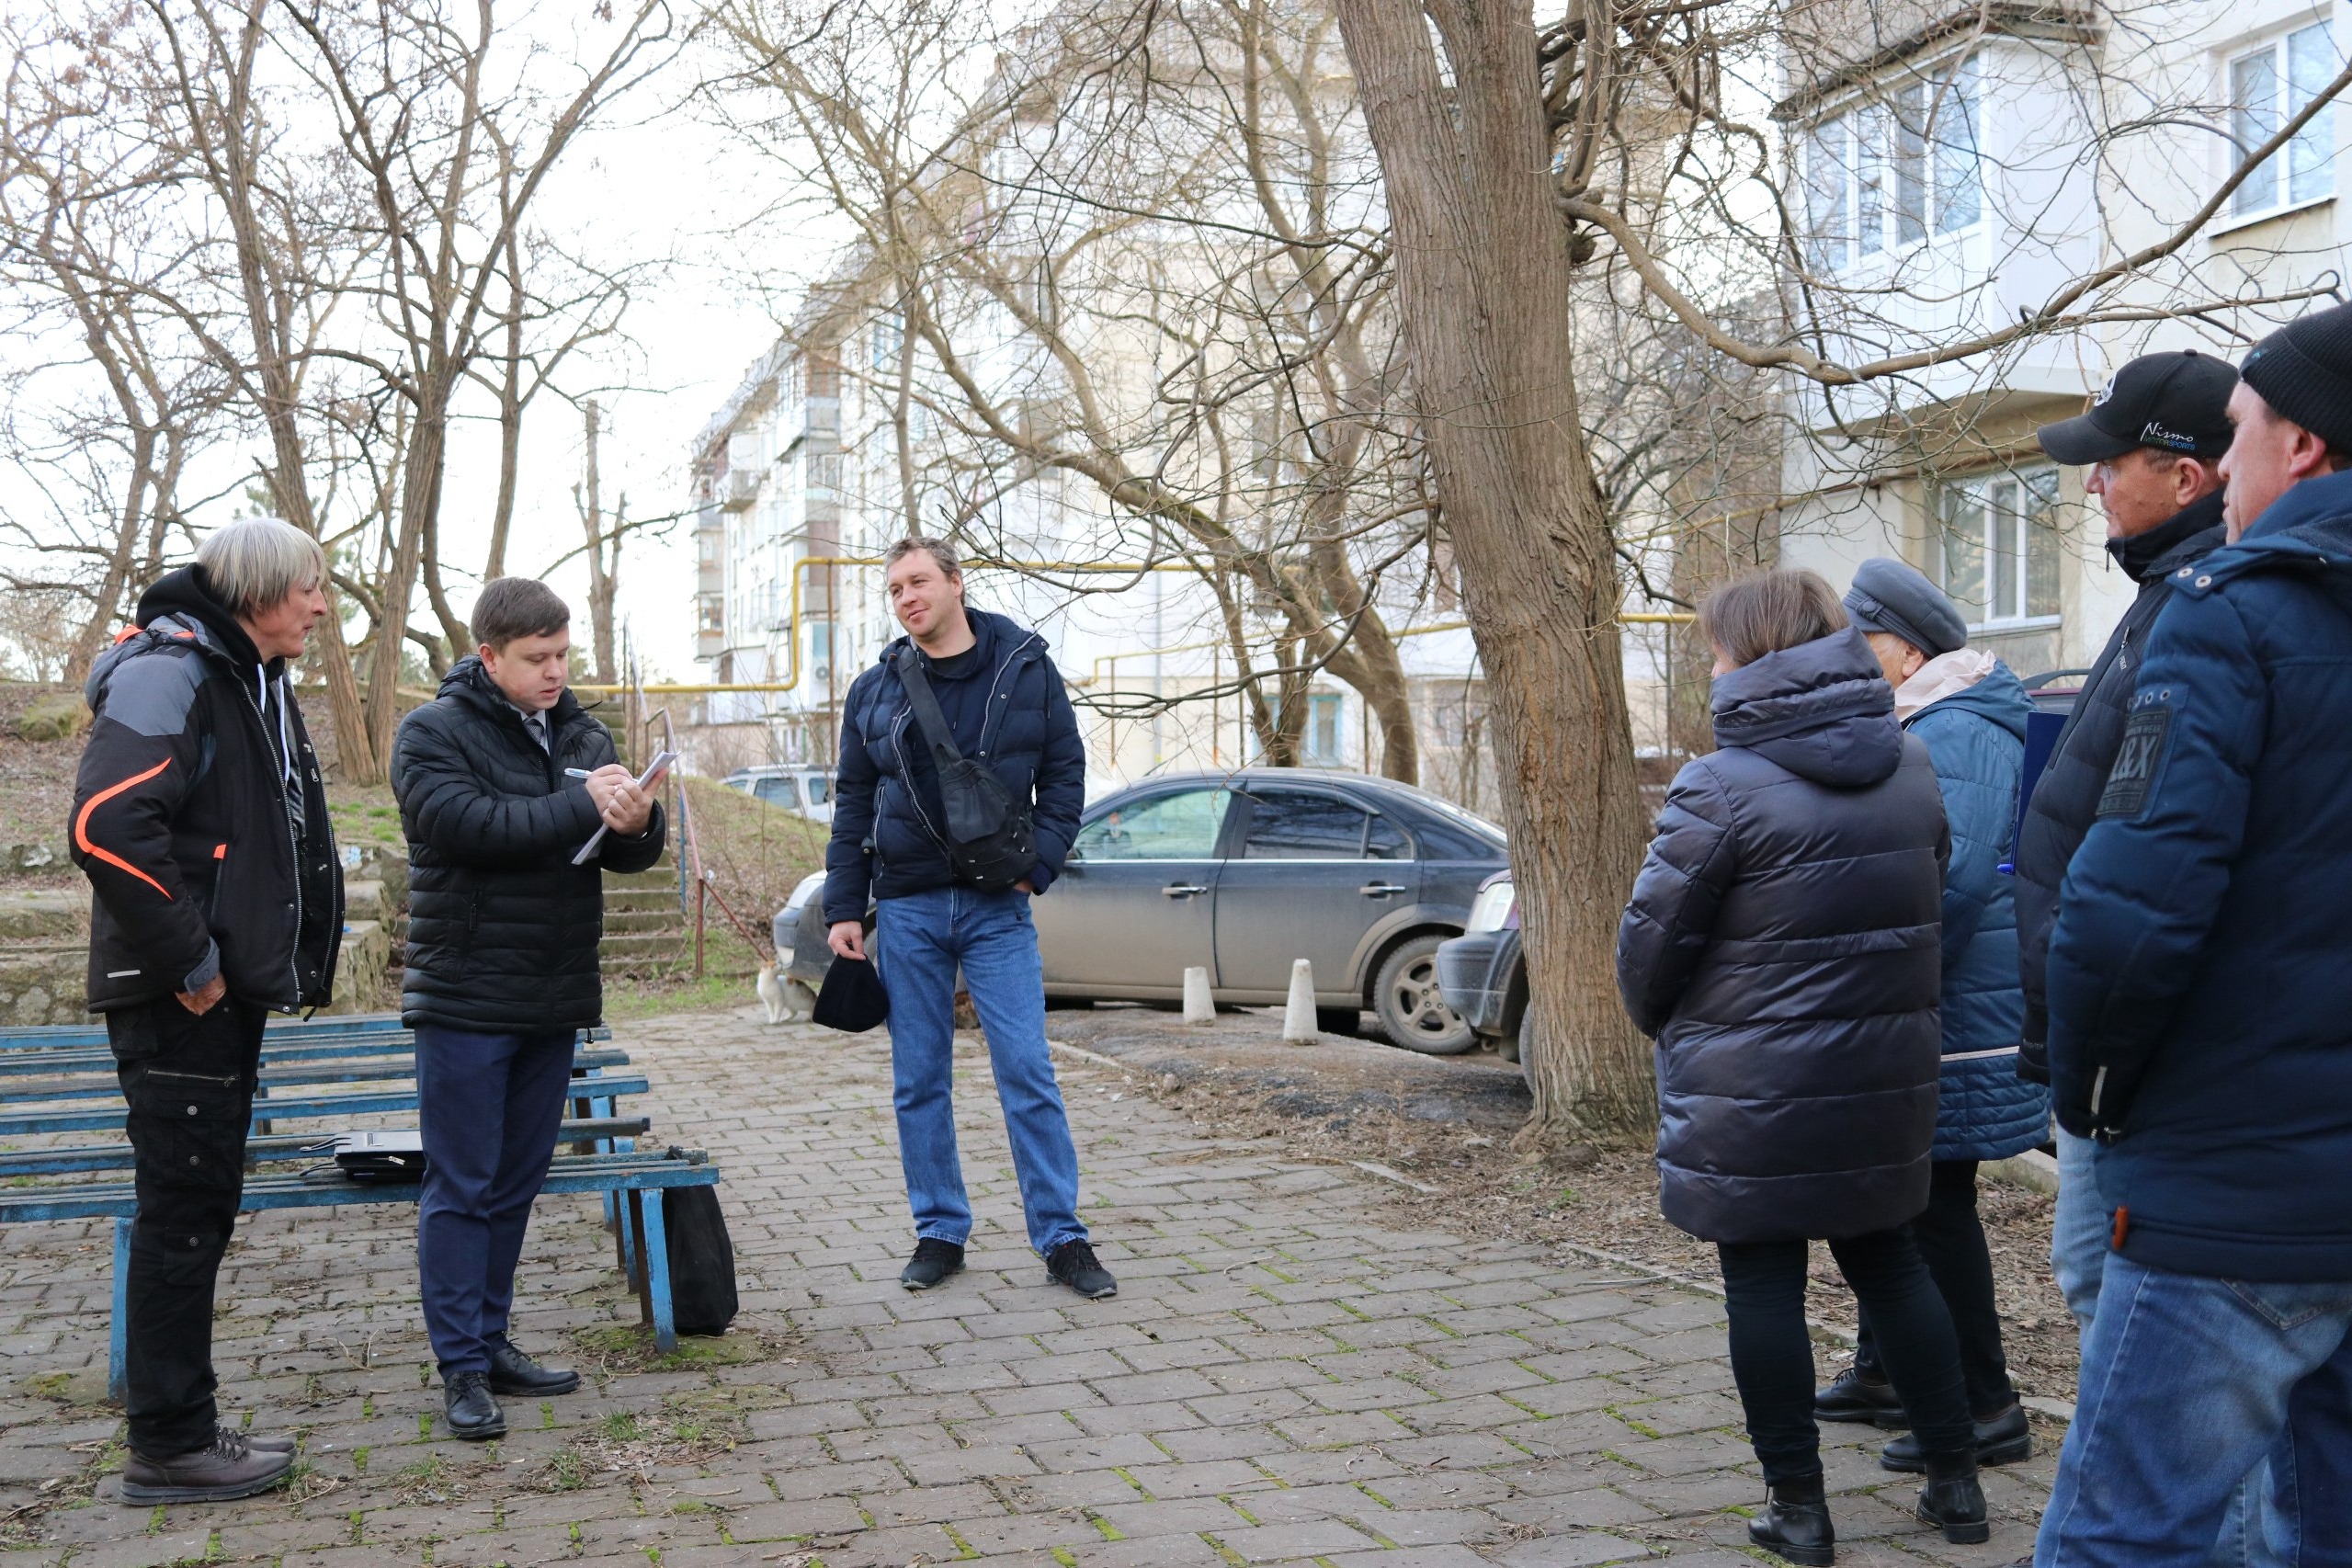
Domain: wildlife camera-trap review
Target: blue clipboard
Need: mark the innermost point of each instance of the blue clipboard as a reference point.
(2041, 739)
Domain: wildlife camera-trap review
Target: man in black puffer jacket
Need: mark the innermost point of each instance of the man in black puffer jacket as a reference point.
(502, 964)
(1006, 710)
(2152, 441)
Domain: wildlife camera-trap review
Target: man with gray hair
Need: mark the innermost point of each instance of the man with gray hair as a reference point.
(201, 820)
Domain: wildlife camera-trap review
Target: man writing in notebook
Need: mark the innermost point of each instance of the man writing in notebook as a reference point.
(502, 964)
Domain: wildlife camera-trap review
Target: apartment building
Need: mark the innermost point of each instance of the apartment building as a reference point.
(1956, 169)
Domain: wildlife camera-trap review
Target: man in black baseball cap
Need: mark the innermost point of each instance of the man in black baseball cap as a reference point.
(2150, 439)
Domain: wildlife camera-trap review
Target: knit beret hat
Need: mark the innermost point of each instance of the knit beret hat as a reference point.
(1889, 596)
(2304, 372)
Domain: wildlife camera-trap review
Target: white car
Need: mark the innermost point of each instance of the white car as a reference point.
(804, 791)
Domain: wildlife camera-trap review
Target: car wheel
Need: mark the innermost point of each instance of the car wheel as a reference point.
(1411, 1010)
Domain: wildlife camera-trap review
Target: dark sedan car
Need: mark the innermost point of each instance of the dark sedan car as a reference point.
(1240, 874)
(1480, 971)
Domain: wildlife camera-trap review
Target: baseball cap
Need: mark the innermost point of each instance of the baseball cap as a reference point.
(2172, 403)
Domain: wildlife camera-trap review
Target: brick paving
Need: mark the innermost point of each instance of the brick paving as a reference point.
(1290, 1373)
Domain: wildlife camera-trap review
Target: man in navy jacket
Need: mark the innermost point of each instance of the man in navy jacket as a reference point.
(1008, 711)
(2200, 1016)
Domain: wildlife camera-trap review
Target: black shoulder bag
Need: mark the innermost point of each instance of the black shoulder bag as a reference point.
(990, 840)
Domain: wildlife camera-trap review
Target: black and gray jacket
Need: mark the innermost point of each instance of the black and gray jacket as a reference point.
(2067, 796)
(199, 817)
(502, 928)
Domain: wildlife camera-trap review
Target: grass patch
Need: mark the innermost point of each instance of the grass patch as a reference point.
(630, 997)
(628, 1347)
(566, 1470)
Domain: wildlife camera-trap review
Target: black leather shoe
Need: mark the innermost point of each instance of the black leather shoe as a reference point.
(229, 1469)
(1795, 1524)
(514, 1373)
(1854, 1397)
(1953, 1500)
(1074, 1264)
(2002, 1440)
(933, 1261)
(470, 1412)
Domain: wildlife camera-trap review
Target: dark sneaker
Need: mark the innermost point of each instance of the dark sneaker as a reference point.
(514, 1373)
(2004, 1439)
(262, 1442)
(227, 1469)
(471, 1413)
(1854, 1397)
(933, 1261)
(1075, 1265)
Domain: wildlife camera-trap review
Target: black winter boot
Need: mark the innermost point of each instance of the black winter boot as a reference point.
(1953, 1500)
(1795, 1524)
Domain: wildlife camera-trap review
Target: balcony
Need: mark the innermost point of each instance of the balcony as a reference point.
(739, 488)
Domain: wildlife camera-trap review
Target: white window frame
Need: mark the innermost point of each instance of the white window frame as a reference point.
(2015, 533)
(1882, 177)
(2299, 60)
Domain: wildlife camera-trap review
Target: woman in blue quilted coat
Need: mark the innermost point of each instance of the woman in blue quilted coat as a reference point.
(1782, 948)
(1970, 709)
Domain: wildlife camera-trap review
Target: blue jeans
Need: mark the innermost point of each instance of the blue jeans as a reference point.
(2078, 1230)
(490, 1106)
(2188, 1384)
(919, 940)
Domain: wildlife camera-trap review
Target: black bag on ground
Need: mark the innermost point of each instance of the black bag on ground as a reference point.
(702, 1260)
(990, 841)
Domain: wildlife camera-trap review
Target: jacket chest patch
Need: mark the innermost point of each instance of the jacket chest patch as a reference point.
(2139, 761)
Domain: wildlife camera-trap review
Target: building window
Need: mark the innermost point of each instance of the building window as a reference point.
(2269, 87)
(1886, 175)
(1322, 729)
(2001, 546)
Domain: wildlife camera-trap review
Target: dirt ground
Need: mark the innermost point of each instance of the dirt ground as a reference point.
(1447, 1124)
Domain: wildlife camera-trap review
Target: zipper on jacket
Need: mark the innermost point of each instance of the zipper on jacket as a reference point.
(293, 845)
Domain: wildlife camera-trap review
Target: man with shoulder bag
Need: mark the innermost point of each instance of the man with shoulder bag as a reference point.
(502, 965)
(201, 820)
(962, 777)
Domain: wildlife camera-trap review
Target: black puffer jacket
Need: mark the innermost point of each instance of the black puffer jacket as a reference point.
(181, 816)
(2067, 796)
(1783, 945)
(501, 927)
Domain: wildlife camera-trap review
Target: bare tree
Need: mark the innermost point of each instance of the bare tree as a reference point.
(1195, 327)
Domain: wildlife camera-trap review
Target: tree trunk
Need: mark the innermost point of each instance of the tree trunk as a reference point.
(420, 497)
(590, 497)
(1482, 281)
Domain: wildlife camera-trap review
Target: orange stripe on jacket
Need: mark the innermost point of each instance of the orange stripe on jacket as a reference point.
(82, 828)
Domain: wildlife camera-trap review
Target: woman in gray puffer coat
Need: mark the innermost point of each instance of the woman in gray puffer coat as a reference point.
(1783, 948)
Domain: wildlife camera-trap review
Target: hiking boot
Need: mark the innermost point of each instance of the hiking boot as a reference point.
(229, 1469)
(933, 1261)
(1855, 1396)
(467, 1406)
(516, 1374)
(1074, 1264)
(1953, 1500)
(1795, 1524)
(2002, 1440)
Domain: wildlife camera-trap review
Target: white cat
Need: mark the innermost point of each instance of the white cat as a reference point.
(771, 996)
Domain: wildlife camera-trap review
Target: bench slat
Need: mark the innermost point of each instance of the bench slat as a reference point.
(566, 1173)
(268, 1149)
(99, 1076)
(293, 1108)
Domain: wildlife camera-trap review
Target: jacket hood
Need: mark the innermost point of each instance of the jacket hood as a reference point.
(1821, 709)
(181, 602)
(2143, 556)
(992, 635)
(1999, 698)
(468, 682)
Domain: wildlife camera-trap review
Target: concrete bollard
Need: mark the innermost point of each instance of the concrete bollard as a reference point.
(1199, 1007)
(1298, 1013)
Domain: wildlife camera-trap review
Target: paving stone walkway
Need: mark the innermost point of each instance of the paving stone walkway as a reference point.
(1289, 1374)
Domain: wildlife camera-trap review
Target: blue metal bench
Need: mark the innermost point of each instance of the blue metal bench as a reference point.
(43, 1071)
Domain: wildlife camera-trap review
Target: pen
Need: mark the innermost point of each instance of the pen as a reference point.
(575, 773)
